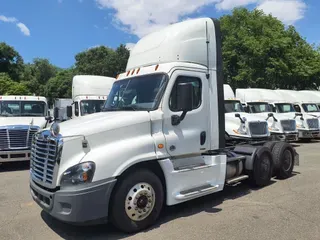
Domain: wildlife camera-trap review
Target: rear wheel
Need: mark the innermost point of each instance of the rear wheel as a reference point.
(270, 144)
(137, 201)
(262, 167)
(283, 155)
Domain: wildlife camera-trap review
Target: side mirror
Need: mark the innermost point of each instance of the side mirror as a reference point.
(184, 102)
(237, 115)
(298, 114)
(185, 97)
(270, 114)
(56, 113)
(69, 111)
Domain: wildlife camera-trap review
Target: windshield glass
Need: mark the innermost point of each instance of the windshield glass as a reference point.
(22, 108)
(284, 107)
(90, 106)
(233, 106)
(259, 107)
(138, 93)
(310, 107)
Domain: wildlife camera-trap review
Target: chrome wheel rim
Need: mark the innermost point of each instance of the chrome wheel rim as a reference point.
(140, 201)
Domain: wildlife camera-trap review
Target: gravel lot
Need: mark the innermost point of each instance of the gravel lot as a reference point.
(286, 209)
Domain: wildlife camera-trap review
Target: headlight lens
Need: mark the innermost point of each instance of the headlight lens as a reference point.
(78, 174)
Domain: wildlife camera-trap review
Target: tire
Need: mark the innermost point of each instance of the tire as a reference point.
(270, 144)
(283, 156)
(141, 187)
(262, 167)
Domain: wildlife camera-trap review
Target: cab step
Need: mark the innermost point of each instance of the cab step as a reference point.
(237, 179)
(192, 192)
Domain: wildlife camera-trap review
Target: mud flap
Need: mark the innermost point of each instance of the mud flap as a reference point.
(296, 158)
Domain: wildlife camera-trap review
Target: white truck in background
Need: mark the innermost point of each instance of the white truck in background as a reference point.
(309, 109)
(313, 95)
(60, 108)
(20, 118)
(89, 92)
(241, 126)
(160, 139)
(282, 126)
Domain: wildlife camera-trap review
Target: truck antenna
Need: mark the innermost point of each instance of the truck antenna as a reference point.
(207, 42)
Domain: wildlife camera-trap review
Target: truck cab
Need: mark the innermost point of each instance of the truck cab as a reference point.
(315, 95)
(89, 92)
(242, 126)
(159, 139)
(307, 106)
(20, 118)
(261, 102)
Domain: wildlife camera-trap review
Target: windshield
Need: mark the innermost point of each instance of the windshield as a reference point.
(310, 107)
(284, 107)
(259, 107)
(232, 106)
(90, 106)
(138, 93)
(22, 108)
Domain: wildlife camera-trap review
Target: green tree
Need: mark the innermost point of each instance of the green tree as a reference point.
(9, 87)
(258, 51)
(102, 61)
(10, 61)
(59, 86)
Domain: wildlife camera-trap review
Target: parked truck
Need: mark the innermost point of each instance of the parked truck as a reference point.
(309, 110)
(20, 118)
(89, 92)
(261, 102)
(241, 126)
(159, 140)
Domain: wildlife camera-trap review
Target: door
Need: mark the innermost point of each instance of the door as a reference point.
(191, 135)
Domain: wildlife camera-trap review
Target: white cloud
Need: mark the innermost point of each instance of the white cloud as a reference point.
(230, 4)
(23, 28)
(130, 46)
(142, 17)
(288, 11)
(7, 19)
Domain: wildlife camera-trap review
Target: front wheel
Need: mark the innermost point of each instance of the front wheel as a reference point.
(137, 201)
(283, 155)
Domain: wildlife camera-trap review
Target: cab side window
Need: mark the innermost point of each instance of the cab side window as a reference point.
(297, 108)
(197, 92)
(76, 108)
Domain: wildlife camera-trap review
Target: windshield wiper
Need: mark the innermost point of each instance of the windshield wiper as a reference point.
(32, 114)
(124, 108)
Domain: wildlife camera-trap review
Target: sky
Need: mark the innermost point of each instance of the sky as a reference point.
(59, 29)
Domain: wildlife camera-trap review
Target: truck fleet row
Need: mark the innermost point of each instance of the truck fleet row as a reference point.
(166, 131)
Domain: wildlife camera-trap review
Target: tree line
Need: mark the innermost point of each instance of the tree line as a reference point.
(258, 51)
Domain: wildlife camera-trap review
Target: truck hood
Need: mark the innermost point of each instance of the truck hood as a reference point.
(101, 122)
(229, 117)
(280, 116)
(9, 121)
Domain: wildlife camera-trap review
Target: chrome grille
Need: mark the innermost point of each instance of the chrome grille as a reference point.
(258, 128)
(288, 125)
(43, 158)
(16, 137)
(313, 123)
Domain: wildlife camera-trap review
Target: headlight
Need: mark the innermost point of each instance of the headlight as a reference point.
(78, 174)
(55, 129)
(241, 130)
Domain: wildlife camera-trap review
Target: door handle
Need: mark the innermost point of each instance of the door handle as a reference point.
(202, 138)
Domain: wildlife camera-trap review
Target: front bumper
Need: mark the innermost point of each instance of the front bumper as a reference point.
(15, 155)
(285, 136)
(309, 133)
(77, 206)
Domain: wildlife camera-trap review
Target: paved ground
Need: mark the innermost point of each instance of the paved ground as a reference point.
(287, 209)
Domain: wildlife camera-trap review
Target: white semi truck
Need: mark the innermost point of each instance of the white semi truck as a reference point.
(312, 95)
(89, 92)
(160, 139)
(309, 109)
(241, 126)
(258, 101)
(20, 118)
